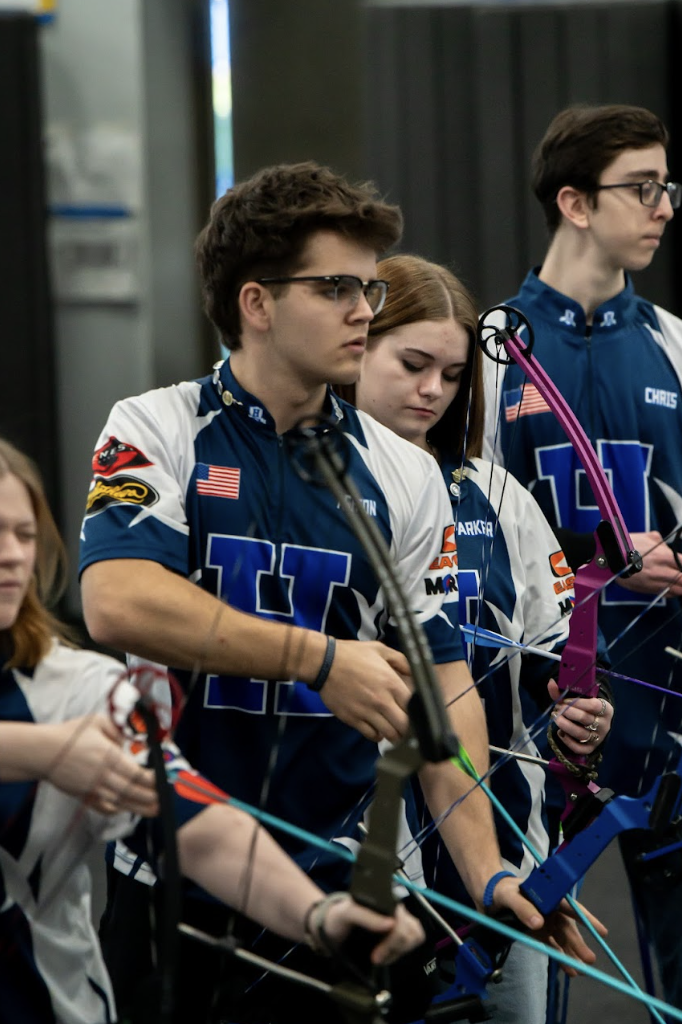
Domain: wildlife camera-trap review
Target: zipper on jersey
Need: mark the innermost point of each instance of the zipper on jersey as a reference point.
(590, 385)
(280, 486)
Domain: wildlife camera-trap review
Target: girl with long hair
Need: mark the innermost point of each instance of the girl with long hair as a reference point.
(421, 377)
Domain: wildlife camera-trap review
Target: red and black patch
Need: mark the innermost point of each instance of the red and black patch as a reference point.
(115, 456)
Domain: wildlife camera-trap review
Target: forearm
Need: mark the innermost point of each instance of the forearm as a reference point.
(218, 852)
(26, 749)
(468, 831)
(140, 607)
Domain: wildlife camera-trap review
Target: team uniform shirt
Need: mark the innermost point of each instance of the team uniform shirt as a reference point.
(51, 967)
(511, 577)
(196, 478)
(622, 379)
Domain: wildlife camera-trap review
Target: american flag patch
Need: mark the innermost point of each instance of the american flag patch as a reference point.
(523, 401)
(218, 481)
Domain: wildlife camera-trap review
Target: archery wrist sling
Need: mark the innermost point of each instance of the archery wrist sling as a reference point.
(313, 923)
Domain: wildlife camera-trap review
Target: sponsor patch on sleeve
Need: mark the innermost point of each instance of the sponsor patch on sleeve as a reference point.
(114, 456)
(120, 490)
(447, 559)
(439, 580)
(449, 543)
(559, 565)
(565, 579)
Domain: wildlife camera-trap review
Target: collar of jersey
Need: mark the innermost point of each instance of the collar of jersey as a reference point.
(567, 316)
(234, 396)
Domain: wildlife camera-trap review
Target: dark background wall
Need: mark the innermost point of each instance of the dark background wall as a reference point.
(459, 96)
(297, 83)
(27, 391)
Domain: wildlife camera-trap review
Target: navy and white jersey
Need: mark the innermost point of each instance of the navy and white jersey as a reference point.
(195, 477)
(51, 968)
(622, 379)
(511, 578)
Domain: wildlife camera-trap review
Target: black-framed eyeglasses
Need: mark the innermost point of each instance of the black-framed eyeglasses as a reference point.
(651, 192)
(343, 288)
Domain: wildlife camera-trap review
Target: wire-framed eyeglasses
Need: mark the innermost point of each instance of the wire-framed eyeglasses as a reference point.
(651, 192)
(343, 288)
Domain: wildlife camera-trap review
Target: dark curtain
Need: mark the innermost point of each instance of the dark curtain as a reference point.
(27, 380)
(459, 96)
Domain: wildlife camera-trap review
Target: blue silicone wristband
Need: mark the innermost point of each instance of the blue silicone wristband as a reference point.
(490, 887)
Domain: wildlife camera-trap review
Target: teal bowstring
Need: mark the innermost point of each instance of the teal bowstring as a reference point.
(467, 912)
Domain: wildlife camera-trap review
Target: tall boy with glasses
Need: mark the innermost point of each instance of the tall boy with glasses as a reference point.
(601, 176)
(204, 550)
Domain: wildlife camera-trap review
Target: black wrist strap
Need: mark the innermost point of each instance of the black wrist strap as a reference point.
(325, 668)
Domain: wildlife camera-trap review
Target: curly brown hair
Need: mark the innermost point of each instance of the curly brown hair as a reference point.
(260, 228)
(581, 142)
(31, 636)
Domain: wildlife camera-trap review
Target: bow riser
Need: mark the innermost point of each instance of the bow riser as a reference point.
(377, 861)
(549, 882)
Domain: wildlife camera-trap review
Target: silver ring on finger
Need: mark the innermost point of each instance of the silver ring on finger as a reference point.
(600, 714)
(592, 727)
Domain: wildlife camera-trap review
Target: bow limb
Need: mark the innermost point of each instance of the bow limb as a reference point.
(614, 552)
(498, 337)
(620, 555)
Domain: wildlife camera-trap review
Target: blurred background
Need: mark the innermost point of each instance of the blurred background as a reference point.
(121, 120)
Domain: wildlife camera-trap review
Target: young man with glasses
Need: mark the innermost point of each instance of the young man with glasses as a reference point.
(203, 549)
(601, 175)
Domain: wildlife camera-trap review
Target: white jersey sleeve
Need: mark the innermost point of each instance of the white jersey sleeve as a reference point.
(142, 465)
